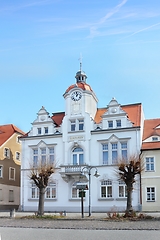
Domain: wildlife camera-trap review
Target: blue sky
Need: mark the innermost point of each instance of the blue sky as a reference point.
(41, 42)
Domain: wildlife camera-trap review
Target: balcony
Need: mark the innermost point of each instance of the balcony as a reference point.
(73, 172)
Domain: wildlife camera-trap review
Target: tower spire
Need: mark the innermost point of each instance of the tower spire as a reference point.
(80, 75)
(80, 59)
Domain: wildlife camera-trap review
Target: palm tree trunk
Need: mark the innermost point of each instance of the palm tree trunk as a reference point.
(41, 201)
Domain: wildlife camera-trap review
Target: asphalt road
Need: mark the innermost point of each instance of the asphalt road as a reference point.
(72, 234)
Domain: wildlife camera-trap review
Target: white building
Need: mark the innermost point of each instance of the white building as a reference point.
(83, 138)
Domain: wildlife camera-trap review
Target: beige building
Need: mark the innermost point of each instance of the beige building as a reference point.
(150, 179)
(10, 161)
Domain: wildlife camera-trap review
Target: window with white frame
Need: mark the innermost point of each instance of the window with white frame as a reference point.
(49, 194)
(73, 125)
(150, 164)
(11, 196)
(35, 157)
(110, 124)
(75, 191)
(118, 123)
(18, 156)
(46, 130)
(105, 153)
(39, 131)
(6, 152)
(114, 153)
(76, 125)
(81, 124)
(12, 173)
(78, 156)
(51, 155)
(1, 171)
(124, 150)
(34, 191)
(106, 189)
(43, 155)
(150, 194)
(51, 191)
(154, 138)
(122, 189)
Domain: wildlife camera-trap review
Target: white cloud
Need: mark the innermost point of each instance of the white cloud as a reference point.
(94, 28)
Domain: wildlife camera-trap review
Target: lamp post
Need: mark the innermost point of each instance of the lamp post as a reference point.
(96, 174)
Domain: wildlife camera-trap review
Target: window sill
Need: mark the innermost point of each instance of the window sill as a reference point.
(150, 201)
(46, 199)
(76, 199)
(105, 199)
(121, 199)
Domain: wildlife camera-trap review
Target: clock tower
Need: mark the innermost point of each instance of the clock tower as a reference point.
(80, 98)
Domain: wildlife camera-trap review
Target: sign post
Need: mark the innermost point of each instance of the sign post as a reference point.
(81, 188)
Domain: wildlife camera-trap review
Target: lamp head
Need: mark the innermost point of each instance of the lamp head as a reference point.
(96, 174)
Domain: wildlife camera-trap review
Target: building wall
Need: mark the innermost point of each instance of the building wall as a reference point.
(7, 182)
(151, 179)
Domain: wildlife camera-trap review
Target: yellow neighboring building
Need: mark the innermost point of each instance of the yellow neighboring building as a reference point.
(150, 179)
(10, 163)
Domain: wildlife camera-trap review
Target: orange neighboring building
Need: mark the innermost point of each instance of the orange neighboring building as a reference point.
(10, 163)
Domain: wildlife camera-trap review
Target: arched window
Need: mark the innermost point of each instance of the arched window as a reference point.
(78, 156)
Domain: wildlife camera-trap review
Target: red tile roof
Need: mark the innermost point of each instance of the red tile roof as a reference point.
(133, 112)
(82, 85)
(150, 129)
(57, 118)
(6, 131)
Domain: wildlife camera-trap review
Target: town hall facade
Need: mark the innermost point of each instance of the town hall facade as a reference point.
(83, 140)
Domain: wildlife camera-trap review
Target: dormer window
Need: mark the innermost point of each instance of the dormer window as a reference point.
(39, 131)
(154, 138)
(18, 156)
(46, 130)
(110, 124)
(118, 123)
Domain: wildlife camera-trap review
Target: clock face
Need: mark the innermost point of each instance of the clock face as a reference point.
(76, 96)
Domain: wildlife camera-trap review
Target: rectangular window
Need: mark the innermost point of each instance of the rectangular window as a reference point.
(34, 191)
(11, 196)
(118, 123)
(1, 171)
(122, 189)
(51, 155)
(6, 153)
(73, 125)
(154, 138)
(149, 163)
(46, 130)
(110, 124)
(11, 173)
(35, 157)
(114, 153)
(81, 124)
(124, 150)
(105, 153)
(51, 191)
(18, 156)
(1, 197)
(43, 155)
(150, 194)
(39, 131)
(106, 189)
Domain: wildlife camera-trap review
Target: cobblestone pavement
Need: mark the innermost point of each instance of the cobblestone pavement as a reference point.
(85, 223)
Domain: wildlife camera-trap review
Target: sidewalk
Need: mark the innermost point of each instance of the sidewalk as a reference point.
(70, 215)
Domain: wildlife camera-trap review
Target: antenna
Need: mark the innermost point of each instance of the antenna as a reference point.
(80, 59)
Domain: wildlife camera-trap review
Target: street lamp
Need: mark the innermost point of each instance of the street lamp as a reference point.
(96, 174)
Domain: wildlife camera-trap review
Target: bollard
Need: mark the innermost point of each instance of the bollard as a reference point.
(12, 213)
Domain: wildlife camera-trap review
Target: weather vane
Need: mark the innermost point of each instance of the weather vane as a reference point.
(80, 59)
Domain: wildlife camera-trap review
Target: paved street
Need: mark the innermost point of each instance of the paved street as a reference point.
(70, 234)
